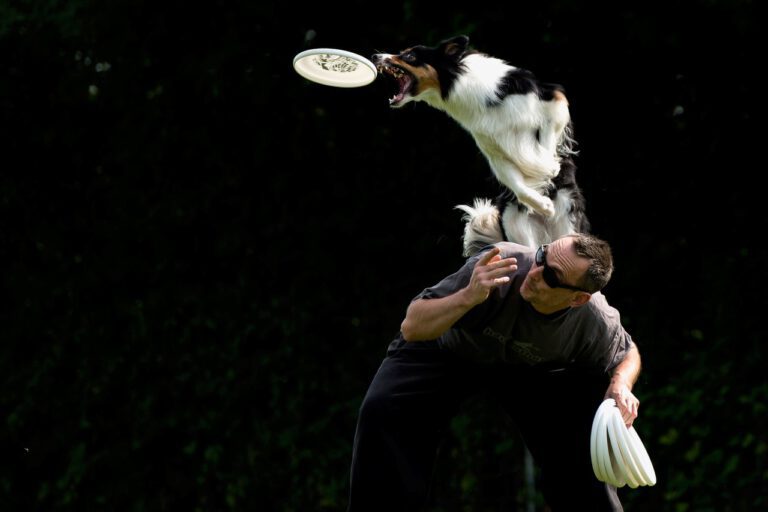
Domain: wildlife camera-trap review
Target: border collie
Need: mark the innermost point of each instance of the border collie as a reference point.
(521, 125)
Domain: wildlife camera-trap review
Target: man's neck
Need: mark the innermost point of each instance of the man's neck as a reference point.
(549, 310)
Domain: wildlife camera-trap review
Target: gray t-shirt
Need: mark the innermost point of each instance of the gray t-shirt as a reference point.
(506, 328)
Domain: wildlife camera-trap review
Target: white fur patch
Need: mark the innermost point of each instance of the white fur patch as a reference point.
(519, 137)
(481, 225)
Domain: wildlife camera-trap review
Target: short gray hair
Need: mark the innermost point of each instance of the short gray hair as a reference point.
(598, 252)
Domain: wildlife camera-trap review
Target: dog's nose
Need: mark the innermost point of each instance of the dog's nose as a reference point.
(376, 58)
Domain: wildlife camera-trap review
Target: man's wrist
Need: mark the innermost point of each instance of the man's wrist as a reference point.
(467, 299)
(619, 379)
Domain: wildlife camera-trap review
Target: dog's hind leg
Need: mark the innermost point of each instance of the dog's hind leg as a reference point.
(562, 223)
(523, 227)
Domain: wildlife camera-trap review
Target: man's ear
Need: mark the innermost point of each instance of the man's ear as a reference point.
(455, 46)
(580, 299)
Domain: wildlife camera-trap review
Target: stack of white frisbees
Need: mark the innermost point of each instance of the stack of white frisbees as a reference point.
(618, 455)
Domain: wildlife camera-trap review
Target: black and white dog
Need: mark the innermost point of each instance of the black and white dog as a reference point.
(521, 125)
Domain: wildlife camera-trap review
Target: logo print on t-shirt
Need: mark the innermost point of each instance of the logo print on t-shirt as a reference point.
(526, 351)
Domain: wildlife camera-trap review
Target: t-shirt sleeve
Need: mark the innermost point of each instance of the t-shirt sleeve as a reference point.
(622, 343)
(609, 341)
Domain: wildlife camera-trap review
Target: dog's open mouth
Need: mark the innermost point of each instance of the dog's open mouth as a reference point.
(403, 79)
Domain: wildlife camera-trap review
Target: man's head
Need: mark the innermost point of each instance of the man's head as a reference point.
(566, 272)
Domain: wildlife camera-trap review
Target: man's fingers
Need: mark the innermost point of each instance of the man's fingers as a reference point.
(506, 262)
(492, 271)
(487, 256)
(502, 270)
(629, 411)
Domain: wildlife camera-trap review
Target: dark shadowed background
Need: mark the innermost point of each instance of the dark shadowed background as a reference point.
(205, 255)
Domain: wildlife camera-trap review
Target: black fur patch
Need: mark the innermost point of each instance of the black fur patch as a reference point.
(547, 91)
(522, 81)
(448, 67)
(516, 81)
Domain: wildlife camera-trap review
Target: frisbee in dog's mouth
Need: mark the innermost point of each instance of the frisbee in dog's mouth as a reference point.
(402, 78)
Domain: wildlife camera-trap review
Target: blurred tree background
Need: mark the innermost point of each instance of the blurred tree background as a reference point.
(205, 255)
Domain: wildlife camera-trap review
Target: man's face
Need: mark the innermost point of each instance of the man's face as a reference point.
(561, 260)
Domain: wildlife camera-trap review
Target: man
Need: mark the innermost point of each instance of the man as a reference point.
(531, 327)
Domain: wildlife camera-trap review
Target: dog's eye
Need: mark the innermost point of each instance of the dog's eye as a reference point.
(409, 57)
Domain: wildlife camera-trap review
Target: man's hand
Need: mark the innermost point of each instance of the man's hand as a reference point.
(490, 272)
(627, 403)
(426, 319)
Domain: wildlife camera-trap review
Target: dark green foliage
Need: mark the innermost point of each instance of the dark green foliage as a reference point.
(205, 256)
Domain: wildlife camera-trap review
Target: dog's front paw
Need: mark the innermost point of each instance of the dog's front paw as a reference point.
(545, 207)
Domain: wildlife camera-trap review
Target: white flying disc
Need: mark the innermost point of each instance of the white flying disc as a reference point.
(338, 68)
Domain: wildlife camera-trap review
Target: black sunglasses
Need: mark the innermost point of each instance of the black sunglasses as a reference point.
(549, 275)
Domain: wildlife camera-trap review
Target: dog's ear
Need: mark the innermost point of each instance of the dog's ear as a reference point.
(455, 46)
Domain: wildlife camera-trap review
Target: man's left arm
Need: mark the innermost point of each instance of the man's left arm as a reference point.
(622, 379)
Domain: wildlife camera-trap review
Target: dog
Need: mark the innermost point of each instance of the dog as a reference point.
(521, 125)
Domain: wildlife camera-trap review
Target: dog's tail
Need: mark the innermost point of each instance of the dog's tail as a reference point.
(482, 226)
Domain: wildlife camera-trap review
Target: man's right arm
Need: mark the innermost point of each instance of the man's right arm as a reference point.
(426, 319)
